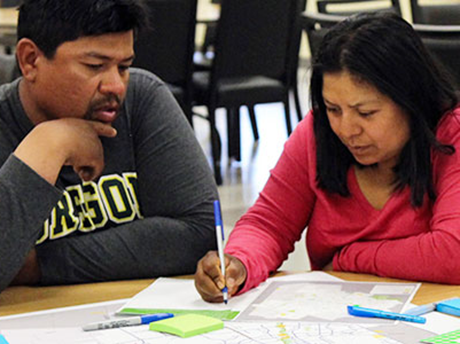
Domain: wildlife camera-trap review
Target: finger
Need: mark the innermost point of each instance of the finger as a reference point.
(211, 266)
(235, 275)
(206, 286)
(90, 172)
(86, 173)
(103, 129)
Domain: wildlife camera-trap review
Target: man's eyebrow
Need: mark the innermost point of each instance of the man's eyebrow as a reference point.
(107, 58)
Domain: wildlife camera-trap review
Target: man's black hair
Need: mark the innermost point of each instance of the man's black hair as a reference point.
(49, 23)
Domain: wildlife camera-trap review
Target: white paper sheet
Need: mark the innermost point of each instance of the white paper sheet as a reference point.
(171, 293)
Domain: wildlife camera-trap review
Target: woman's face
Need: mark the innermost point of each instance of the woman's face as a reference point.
(373, 127)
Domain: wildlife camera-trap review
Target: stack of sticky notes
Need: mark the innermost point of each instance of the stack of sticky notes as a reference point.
(451, 306)
(187, 325)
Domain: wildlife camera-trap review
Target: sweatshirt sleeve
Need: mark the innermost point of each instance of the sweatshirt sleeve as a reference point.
(21, 215)
(266, 234)
(432, 256)
(176, 191)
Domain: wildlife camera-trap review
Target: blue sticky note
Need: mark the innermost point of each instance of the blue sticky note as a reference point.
(3, 340)
(451, 306)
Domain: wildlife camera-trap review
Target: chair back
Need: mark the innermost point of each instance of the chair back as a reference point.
(166, 47)
(349, 7)
(253, 38)
(440, 14)
(443, 42)
(297, 36)
(10, 3)
(316, 26)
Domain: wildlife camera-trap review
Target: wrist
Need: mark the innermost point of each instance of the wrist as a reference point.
(42, 152)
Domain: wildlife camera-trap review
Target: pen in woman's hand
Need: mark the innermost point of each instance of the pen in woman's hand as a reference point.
(220, 245)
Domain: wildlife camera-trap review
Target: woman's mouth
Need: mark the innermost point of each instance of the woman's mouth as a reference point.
(359, 150)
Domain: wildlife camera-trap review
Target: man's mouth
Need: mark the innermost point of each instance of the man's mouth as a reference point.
(107, 113)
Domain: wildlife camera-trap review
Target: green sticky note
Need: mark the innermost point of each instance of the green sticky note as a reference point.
(187, 325)
(446, 338)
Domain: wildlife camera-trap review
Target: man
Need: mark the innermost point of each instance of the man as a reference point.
(101, 177)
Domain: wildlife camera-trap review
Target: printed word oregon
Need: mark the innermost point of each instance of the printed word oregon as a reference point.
(88, 206)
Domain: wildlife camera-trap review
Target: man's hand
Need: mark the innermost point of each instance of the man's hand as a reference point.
(67, 141)
(30, 272)
(209, 280)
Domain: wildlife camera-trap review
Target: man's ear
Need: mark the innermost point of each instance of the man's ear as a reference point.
(28, 54)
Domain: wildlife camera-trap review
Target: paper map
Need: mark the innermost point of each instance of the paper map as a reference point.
(326, 301)
(233, 333)
(278, 313)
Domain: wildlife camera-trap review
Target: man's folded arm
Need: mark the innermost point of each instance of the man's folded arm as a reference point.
(26, 200)
(145, 248)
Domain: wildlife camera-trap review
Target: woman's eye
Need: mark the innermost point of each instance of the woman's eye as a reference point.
(367, 114)
(332, 110)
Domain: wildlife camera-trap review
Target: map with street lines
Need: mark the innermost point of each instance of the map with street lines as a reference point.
(326, 301)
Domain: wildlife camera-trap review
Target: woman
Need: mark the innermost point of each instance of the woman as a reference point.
(373, 170)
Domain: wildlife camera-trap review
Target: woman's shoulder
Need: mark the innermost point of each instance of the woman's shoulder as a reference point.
(303, 135)
(449, 126)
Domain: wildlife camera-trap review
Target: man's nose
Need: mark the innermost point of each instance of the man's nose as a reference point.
(114, 82)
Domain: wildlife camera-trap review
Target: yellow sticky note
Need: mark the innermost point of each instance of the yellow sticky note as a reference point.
(187, 325)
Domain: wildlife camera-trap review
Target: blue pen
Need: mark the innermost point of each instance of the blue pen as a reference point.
(220, 244)
(133, 321)
(376, 313)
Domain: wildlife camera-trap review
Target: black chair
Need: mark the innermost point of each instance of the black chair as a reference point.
(443, 41)
(210, 33)
(10, 3)
(251, 66)
(342, 7)
(295, 50)
(440, 14)
(316, 26)
(167, 47)
(204, 62)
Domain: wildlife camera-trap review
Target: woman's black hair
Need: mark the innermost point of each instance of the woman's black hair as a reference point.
(49, 23)
(384, 51)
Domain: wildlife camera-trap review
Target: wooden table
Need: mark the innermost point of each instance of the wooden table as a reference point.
(15, 300)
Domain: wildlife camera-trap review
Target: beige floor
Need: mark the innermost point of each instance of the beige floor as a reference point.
(244, 180)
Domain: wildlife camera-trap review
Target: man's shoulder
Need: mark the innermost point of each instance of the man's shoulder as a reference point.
(8, 90)
(139, 76)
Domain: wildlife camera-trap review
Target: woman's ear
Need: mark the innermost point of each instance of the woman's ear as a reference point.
(28, 54)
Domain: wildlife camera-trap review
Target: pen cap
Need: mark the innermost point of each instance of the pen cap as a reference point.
(217, 214)
(147, 319)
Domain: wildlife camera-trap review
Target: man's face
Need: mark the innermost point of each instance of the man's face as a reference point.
(86, 78)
